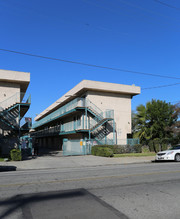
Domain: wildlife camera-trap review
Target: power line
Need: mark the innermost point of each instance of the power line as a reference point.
(167, 5)
(137, 7)
(167, 85)
(90, 65)
(144, 9)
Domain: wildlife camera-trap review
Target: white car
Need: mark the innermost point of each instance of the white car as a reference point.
(171, 154)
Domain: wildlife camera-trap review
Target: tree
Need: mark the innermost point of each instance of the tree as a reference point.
(139, 123)
(151, 121)
(175, 128)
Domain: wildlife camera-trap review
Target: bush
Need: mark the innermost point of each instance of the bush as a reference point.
(122, 149)
(102, 151)
(157, 145)
(15, 155)
(137, 148)
(145, 149)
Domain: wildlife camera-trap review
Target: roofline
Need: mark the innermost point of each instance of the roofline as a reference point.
(89, 85)
(17, 77)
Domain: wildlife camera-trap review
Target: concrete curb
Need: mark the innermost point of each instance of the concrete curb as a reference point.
(73, 162)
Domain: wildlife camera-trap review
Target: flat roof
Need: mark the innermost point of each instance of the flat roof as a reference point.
(88, 85)
(18, 77)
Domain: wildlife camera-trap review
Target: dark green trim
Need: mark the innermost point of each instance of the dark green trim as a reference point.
(57, 117)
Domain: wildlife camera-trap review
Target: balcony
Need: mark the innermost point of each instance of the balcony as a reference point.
(74, 105)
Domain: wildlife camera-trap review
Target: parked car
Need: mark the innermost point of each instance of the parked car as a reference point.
(170, 154)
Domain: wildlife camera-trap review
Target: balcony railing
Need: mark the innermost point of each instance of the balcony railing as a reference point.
(78, 102)
(64, 109)
(48, 131)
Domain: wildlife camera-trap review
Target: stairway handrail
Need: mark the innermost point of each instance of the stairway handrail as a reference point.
(15, 98)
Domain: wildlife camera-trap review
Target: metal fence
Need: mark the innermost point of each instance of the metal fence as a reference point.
(132, 141)
(76, 147)
(83, 147)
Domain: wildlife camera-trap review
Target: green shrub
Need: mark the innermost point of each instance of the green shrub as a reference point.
(15, 155)
(102, 151)
(145, 149)
(119, 149)
(157, 145)
(137, 148)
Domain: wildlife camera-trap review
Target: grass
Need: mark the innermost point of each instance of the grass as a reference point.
(136, 154)
(1, 159)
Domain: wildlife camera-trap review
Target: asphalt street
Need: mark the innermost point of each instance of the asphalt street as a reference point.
(146, 190)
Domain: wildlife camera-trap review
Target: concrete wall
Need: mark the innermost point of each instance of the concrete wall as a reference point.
(121, 104)
(7, 90)
(12, 83)
(14, 76)
(7, 144)
(87, 85)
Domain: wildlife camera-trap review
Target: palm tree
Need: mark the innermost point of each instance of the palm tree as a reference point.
(139, 124)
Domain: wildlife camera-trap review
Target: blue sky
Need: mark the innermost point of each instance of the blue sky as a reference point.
(136, 35)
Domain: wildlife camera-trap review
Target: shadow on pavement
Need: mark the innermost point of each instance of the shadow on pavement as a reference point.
(69, 204)
(49, 152)
(7, 168)
(43, 152)
(163, 161)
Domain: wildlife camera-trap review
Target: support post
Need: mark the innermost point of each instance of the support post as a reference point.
(19, 126)
(86, 117)
(83, 120)
(114, 133)
(105, 132)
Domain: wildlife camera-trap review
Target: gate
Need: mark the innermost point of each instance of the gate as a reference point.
(76, 147)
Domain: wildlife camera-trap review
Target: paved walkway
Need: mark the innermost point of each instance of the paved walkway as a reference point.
(58, 161)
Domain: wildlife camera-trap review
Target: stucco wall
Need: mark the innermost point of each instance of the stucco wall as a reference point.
(121, 104)
(8, 93)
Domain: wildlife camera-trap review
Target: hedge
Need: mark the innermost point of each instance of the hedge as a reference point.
(122, 149)
(158, 145)
(15, 155)
(102, 151)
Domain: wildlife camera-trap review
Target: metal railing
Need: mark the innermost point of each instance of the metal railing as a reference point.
(18, 97)
(132, 141)
(64, 109)
(47, 131)
(26, 122)
(94, 108)
(78, 102)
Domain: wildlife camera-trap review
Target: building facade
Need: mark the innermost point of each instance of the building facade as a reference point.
(90, 113)
(13, 107)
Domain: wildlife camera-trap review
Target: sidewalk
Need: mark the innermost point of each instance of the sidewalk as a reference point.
(57, 162)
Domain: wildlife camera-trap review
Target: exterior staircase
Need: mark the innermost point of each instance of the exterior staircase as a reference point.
(103, 124)
(10, 114)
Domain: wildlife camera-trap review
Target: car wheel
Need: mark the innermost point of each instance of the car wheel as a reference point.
(177, 158)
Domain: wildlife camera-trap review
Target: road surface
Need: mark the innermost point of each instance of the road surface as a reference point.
(113, 191)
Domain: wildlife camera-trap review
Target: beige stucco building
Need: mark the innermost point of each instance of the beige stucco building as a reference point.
(13, 107)
(92, 111)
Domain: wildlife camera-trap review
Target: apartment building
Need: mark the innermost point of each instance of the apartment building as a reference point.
(91, 113)
(13, 107)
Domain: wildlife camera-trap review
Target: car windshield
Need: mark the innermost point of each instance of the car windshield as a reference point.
(175, 147)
